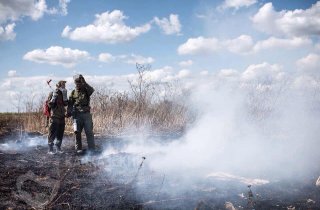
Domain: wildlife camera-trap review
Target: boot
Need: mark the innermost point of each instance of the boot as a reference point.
(58, 150)
(51, 152)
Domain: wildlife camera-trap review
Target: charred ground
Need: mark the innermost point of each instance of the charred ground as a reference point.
(30, 178)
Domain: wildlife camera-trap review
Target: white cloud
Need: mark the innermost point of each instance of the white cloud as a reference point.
(106, 58)
(277, 43)
(108, 27)
(204, 73)
(57, 55)
(199, 45)
(309, 64)
(263, 72)
(242, 44)
(164, 74)
(7, 33)
(64, 6)
(169, 26)
(227, 73)
(16, 9)
(133, 59)
(130, 59)
(288, 22)
(12, 73)
(184, 73)
(237, 3)
(186, 63)
(11, 11)
(305, 81)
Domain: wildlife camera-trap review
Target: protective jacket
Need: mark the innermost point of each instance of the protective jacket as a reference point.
(79, 99)
(57, 105)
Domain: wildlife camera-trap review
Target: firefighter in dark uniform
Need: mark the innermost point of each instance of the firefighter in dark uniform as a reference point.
(79, 109)
(57, 100)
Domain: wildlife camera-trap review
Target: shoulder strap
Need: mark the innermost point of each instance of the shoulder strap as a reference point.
(50, 96)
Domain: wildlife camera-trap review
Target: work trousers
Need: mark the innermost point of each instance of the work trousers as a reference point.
(56, 131)
(84, 121)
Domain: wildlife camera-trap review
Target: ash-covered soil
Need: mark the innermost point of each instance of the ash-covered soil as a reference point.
(32, 179)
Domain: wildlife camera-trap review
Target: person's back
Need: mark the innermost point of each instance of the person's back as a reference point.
(57, 100)
(57, 106)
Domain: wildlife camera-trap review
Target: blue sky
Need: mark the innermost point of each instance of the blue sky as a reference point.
(103, 37)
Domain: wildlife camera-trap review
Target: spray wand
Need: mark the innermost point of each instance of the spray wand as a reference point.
(47, 112)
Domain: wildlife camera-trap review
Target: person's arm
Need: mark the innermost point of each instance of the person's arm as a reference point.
(88, 88)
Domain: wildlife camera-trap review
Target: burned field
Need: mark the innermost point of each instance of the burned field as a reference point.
(32, 179)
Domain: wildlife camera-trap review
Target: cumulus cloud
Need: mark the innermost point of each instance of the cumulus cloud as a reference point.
(184, 73)
(169, 26)
(64, 6)
(106, 58)
(12, 73)
(237, 3)
(7, 32)
(186, 63)
(14, 10)
(243, 44)
(274, 43)
(204, 73)
(263, 72)
(133, 59)
(130, 59)
(309, 64)
(223, 73)
(11, 11)
(305, 81)
(288, 22)
(57, 55)
(199, 45)
(108, 27)
(164, 74)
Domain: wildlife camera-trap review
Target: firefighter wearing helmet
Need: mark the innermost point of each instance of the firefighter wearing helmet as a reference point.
(79, 109)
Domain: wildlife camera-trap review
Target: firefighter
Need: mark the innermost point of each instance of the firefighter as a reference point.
(79, 109)
(57, 100)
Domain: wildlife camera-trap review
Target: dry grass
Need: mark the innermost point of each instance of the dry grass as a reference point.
(143, 107)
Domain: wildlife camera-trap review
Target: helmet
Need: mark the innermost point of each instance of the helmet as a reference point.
(60, 83)
(77, 78)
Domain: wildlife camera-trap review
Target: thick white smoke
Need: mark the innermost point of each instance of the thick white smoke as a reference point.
(263, 129)
(22, 143)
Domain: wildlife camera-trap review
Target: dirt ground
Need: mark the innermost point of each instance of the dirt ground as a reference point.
(32, 179)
